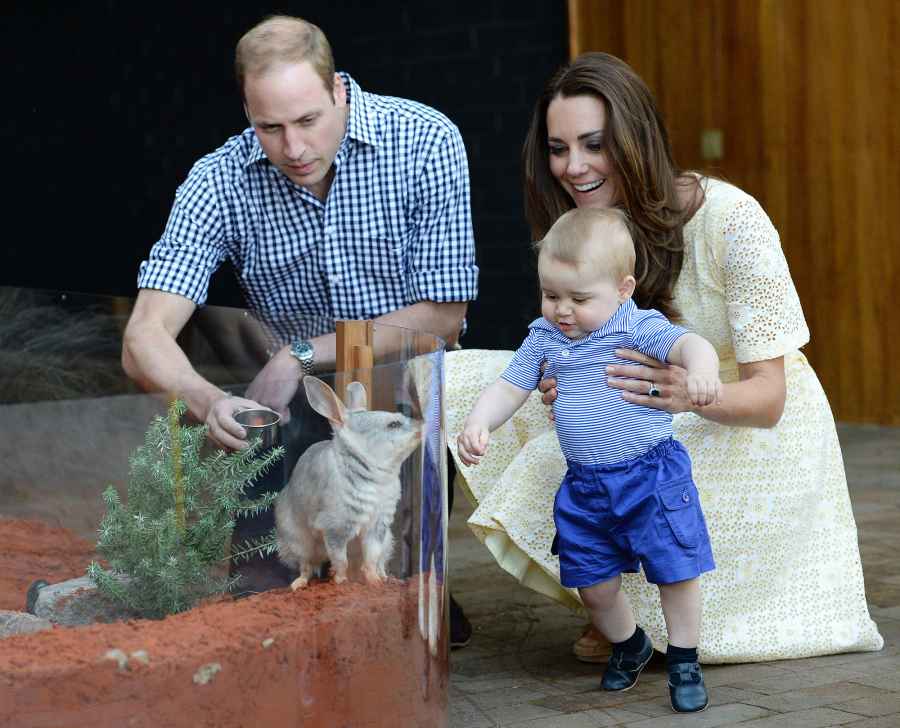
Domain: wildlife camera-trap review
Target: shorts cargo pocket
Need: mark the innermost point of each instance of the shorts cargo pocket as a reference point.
(679, 502)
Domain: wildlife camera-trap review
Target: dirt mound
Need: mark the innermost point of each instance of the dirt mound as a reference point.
(326, 656)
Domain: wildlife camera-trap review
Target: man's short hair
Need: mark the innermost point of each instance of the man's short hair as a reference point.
(283, 39)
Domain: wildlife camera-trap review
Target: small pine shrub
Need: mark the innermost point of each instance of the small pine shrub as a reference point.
(167, 545)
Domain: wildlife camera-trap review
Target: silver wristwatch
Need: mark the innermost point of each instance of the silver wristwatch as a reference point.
(302, 350)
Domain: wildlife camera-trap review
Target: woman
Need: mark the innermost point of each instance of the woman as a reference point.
(766, 459)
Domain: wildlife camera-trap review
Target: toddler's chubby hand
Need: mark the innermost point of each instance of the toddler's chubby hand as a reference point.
(472, 443)
(704, 389)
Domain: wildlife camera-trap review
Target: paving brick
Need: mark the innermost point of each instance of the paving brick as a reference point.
(712, 717)
(874, 706)
(886, 721)
(586, 719)
(815, 718)
(739, 674)
(798, 681)
(520, 713)
(723, 694)
(814, 697)
(572, 703)
(889, 680)
(513, 695)
(463, 714)
(475, 686)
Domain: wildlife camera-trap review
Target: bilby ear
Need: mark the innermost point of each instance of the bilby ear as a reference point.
(324, 401)
(356, 397)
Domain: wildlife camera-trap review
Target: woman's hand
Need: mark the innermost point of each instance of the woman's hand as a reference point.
(666, 382)
(547, 388)
(635, 381)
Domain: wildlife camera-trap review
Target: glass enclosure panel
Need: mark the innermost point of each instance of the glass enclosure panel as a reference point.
(83, 447)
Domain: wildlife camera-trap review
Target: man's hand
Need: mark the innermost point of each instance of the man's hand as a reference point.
(223, 428)
(276, 384)
(472, 443)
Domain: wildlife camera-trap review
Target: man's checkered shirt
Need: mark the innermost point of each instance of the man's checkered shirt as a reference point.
(395, 228)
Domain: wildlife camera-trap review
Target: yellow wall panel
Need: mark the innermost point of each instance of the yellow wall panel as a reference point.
(805, 93)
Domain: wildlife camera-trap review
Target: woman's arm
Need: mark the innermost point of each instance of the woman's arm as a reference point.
(756, 400)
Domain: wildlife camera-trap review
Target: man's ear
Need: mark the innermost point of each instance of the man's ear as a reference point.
(247, 114)
(339, 91)
(626, 288)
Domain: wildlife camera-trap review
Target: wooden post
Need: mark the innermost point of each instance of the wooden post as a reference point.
(354, 356)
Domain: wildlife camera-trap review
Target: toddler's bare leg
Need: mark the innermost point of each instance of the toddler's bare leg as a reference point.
(610, 609)
(681, 608)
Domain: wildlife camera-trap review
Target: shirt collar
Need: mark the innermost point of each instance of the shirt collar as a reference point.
(256, 151)
(361, 124)
(619, 322)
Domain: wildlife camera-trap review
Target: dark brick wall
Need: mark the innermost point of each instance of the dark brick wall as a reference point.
(109, 103)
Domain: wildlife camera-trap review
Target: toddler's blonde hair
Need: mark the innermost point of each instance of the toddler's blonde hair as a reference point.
(600, 238)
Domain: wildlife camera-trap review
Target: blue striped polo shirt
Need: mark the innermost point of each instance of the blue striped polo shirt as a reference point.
(394, 229)
(594, 424)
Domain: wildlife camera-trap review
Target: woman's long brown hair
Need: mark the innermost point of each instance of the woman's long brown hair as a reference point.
(637, 143)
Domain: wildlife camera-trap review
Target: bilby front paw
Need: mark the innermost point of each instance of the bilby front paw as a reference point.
(371, 575)
(299, 583)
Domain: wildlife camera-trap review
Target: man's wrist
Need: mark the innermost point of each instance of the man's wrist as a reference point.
(304, 353)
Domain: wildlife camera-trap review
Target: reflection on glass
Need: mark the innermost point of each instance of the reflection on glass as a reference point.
(71, 420)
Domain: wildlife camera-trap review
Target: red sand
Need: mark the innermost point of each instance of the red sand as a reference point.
(325, 657)
(33, 550)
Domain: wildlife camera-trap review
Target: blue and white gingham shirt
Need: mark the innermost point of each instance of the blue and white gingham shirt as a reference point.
(395, 228)
(594, 424)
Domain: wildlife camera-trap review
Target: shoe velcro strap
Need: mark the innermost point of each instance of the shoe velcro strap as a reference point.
(685, 672)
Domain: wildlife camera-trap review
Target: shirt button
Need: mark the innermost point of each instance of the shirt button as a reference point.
(685, 497)
(334, 279)
(565, 352)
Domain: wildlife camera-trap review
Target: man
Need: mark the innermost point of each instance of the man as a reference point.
(334, 204)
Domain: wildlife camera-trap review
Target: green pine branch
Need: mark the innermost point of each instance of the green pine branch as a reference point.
(165, 544)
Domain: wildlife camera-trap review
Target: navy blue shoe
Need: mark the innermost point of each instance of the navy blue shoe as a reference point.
(460, 627)
(624, 667)
(686, 689)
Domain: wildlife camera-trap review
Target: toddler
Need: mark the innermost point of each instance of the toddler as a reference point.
(627, 499)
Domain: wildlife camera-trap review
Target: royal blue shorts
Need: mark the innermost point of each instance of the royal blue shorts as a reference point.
(642, 512)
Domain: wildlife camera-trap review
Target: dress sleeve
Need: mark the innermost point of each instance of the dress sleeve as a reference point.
(764, 311)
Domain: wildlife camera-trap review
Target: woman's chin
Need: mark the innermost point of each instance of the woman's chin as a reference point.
(596, 199)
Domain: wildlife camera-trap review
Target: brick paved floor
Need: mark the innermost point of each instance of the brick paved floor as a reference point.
(518, 670)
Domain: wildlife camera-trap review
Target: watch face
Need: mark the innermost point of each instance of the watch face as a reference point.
(303, 352)
(302, 349)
